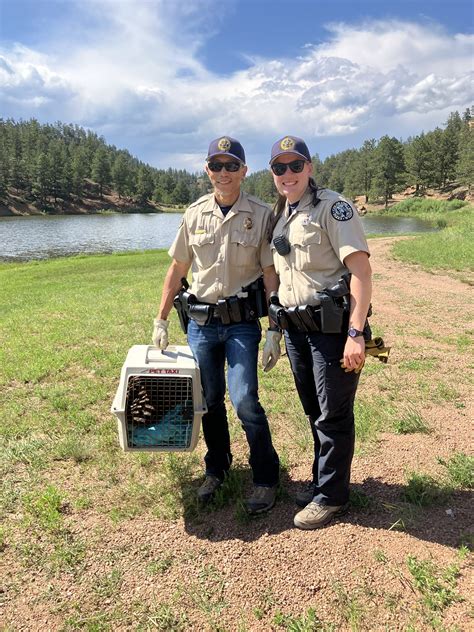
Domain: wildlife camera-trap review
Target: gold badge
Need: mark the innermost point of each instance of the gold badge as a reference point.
(224, 144)
(287, 143)
(248, 223)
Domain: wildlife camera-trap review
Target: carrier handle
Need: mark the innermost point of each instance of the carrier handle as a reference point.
(161, 355)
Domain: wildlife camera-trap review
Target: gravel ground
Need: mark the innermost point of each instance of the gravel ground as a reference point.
(216, 572)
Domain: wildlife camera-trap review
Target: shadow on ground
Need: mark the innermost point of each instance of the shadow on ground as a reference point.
(374, 504)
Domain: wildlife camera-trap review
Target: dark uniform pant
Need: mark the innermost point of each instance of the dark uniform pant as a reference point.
(213, 346)
(327, 394)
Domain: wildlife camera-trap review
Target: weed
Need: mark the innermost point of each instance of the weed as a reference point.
(410, 423)
(436, 587)
(360, 501)
(308, 622)
(369, 419)
(208, 593)
(444, 393)
(423, 490)
(460, 470)
(417, 364)
(164, 618)
(74, 448)
(45, 508)
(380, 556)
(266, 602)
(351, 609)
(161, 565)
(109, 584)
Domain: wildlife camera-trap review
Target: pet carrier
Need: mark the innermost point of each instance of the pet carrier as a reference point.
(159, 401)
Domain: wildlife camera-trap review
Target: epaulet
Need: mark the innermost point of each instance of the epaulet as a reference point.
(200, 200)
(258, 201)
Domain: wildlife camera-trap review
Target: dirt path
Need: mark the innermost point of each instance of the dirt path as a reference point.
(216, 572)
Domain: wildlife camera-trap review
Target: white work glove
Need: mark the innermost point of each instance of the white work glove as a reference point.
(271, 349)
(160, 333)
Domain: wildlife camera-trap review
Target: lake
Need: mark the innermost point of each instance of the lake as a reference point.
(45, 236)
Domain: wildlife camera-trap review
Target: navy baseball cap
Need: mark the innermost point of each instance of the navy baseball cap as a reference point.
(226, 146)
(290, 145)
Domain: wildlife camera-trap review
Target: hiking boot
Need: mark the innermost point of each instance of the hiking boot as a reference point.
(208, 488)
(314, 516)
(306, 495)
(262, 499)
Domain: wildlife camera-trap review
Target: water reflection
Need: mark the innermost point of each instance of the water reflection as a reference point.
(42, 237)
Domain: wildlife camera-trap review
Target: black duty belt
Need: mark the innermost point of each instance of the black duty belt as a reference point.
(328, 319)
(231, 310)
(227, 311)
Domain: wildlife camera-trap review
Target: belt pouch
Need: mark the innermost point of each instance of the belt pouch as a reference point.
(305, 312)
(223, 311)
(295, 320)
(200, 313)
(234, 309)
(331, 315)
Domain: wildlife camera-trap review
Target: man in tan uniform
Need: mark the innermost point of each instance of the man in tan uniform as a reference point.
(223, 238)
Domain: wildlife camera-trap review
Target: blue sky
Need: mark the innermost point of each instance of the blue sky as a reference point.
(162, 78)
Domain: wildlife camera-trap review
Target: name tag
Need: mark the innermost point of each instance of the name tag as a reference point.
(200, 231)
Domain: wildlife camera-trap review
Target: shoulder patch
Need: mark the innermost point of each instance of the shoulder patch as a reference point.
(342, 211)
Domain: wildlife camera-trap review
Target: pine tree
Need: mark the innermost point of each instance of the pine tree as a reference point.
(419, 162)
(101, 169)
(79, 170)
(451, 139)
(389, 173)
(465, 165)
(145, 184)
(43, 179)
(120, 170)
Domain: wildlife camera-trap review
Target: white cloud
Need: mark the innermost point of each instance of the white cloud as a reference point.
(136, 79)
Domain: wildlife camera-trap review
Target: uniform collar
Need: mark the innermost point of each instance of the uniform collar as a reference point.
(305, 202)
(241, 204)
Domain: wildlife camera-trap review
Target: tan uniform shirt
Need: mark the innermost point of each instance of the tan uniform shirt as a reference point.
(321, 237)
(228, 253)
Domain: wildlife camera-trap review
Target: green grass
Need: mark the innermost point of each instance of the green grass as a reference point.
(423, 206)
(451, 247)
(437, 587)
(410, 422)
(425, 491)
(460, 470)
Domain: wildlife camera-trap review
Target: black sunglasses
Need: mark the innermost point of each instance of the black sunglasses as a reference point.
(279, 168)
(228, 166)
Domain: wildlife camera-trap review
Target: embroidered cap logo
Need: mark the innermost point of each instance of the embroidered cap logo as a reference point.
(287, 144)
(224, 144)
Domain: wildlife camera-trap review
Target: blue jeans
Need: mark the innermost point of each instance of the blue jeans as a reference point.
(327, 394)
(212, 345)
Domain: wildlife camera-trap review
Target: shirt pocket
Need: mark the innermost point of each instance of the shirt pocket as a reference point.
(204, 249)
(307, 241)
(243, 249)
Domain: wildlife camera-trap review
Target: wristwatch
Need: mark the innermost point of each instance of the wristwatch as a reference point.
(354, 333)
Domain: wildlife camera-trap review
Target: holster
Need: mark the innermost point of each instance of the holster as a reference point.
(255, 303)
(180, 302)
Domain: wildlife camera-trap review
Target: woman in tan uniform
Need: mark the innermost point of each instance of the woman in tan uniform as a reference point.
(317, 239)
